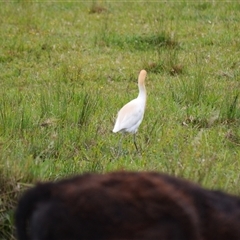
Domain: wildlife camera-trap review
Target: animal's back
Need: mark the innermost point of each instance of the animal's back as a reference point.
(128, 205)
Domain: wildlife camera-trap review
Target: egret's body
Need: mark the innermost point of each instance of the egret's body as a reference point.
(131, 115)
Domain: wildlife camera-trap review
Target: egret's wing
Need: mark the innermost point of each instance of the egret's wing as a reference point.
(129, 117)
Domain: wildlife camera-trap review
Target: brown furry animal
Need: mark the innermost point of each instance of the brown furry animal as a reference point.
(126, 205)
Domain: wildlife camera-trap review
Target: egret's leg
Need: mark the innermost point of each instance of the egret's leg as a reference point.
(120, 144)
(134, 140)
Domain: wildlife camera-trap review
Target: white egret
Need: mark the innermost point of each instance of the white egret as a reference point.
(131, 115)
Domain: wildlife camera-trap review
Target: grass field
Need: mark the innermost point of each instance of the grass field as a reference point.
(67, 68)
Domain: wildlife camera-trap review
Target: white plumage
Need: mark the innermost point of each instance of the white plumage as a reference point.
(131, 115)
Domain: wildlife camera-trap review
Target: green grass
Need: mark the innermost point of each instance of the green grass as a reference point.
(67, 68)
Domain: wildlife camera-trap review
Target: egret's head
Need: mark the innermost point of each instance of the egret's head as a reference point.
(142, 76)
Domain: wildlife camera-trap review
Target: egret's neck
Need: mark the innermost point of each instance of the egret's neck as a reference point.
(142, 92)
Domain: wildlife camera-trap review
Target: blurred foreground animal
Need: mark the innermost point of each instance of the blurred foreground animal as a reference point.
(126, 205)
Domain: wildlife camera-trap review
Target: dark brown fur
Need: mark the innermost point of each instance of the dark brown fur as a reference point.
(126, 205)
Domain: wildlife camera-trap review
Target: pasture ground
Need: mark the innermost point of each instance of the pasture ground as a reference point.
(66, 68)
